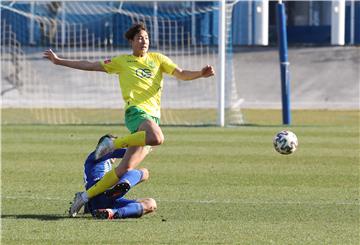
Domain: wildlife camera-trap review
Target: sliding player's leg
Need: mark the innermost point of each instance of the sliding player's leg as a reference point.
(127, 181)
(133, 156)
(124, 208)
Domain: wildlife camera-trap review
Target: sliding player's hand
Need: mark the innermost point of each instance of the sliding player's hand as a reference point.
(49, 54)
(207, 71)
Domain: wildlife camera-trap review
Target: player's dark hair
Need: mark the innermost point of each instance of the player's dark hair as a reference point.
(107, 136)
(135, 29)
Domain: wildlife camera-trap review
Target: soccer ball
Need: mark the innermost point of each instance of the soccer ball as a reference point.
(285, 142)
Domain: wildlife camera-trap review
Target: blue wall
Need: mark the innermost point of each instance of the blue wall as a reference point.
(104, 26)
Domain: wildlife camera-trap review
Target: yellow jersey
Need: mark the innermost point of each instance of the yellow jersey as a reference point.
(141, 79)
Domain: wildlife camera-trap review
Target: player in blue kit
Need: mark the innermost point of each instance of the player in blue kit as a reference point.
(111, 204)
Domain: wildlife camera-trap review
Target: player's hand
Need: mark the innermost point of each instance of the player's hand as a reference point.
(49, 54)
(207, 71)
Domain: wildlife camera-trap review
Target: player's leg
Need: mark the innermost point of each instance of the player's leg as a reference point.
(144, 128)
(148, 133)
(145, 174)
(127, 209)
(154, 134)
(133, 156)
(108, 144)
(127, 181)
(149, 205)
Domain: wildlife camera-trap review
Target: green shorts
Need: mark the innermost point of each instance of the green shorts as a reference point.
(134, 116)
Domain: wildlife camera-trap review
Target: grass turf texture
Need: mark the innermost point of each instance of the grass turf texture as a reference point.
(212, 185)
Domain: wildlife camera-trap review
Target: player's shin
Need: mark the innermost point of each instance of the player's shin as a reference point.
(135, 139)
(132, 210)
(109, 179)
(126, 182)
(132, 177)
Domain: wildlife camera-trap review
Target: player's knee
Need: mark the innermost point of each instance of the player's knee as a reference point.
(155, 139)
(160, 139)
(154, 135)
(149, 205)
(145, 174)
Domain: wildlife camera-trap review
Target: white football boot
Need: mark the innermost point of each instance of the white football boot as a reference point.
(104, 147)
(76, 205)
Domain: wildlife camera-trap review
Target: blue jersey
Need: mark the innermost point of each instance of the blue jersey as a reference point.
(94, 170)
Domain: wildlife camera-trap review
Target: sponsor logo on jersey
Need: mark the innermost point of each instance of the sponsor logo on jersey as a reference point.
(143, 73)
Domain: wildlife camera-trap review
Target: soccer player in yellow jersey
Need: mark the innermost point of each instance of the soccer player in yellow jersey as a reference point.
(141, 81)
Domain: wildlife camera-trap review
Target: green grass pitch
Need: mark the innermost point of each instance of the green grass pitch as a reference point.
(212, 185)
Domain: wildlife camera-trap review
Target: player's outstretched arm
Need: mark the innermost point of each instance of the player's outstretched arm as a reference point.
(76, 64)
(207, 71)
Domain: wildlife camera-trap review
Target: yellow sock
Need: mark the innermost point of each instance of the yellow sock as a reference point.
(109, 179)
(136, 139)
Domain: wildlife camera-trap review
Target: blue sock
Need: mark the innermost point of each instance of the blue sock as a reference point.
(132, 210)
(132, 177)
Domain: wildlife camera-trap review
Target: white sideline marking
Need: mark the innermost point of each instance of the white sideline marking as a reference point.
(34, 198)
(261, 202)
(204, 201)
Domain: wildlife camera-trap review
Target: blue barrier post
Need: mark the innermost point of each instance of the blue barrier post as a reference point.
(284, 63)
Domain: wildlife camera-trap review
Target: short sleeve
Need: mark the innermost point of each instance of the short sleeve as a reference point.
(166, 64)
(111, 65)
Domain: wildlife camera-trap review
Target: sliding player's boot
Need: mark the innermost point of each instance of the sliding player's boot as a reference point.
(76, 205)
(104, 147)
(104, 214)
(118, 190)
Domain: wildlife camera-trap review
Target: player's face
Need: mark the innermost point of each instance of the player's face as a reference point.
(140, 43)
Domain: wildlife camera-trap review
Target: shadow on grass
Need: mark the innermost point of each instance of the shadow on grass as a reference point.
(43, 217)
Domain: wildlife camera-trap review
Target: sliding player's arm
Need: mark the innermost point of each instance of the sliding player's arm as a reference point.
(76, 64)
(185, 75)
